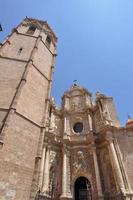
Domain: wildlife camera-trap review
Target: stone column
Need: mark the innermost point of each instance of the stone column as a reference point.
(65, 124)
(45, 187)
(66, 129)
(98, 181)
(116, 166)
(42, 167)
(66, 193)
(90, 121)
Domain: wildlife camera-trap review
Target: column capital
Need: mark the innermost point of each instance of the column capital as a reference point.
(110, 139)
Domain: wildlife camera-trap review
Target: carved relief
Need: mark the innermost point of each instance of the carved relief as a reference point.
(52, 158)
(55, 123)
(76, 103)
(98, 120)
(80, 163)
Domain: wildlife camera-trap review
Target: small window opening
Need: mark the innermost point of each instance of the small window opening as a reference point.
(20, 50)
(48, 41)
(50, 112)
(31, 30)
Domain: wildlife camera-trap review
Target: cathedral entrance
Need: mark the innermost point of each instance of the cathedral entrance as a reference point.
(82, 189)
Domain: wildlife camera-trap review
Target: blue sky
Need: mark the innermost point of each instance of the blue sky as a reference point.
(95, 44)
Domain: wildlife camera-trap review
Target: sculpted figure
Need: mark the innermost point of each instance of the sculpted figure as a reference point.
(106, 118)
(80, 163)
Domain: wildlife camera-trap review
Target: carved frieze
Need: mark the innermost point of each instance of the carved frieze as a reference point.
(80, 163)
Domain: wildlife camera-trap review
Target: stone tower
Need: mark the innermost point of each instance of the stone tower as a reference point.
(76, 152)
(26, 68)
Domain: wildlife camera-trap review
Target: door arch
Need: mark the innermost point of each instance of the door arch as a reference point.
(82, 189)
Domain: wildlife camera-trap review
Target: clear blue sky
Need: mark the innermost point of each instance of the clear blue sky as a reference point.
(95, 44)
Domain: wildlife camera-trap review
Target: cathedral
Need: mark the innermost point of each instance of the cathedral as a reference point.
(76, 152)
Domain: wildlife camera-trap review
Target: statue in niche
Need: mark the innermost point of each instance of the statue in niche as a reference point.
(52, 174)
(54, 123)
(106, 117)
(80, 163)
(74, 106)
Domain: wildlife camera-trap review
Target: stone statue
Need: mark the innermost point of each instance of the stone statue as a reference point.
(106, 118)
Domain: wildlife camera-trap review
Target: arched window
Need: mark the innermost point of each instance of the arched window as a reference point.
(82, 189)
(31, 30)
(48, 41)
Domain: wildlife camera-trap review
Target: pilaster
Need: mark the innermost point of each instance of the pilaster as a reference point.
(42, 166)
(45, 187)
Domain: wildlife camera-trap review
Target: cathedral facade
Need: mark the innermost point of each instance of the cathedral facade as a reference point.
(76, 152)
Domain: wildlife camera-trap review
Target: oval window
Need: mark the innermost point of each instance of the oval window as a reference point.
(78, 127)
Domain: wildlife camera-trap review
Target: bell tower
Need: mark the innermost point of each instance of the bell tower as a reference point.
(26, 67)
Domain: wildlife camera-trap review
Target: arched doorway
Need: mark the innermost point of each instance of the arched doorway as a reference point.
(82, 189)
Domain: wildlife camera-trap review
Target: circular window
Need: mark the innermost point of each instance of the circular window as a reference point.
(78, 127)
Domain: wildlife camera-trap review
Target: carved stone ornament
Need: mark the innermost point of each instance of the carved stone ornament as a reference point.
(106, 117)
(47, 122)
(52, 174)
(76, 106)
(80, 164)
(52, 157)
(54, 125)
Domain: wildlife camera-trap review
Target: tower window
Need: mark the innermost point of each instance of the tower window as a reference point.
(48, 41)
(31, 30)
(20, 50)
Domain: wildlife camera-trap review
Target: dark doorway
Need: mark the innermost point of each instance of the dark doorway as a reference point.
(82, 189)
